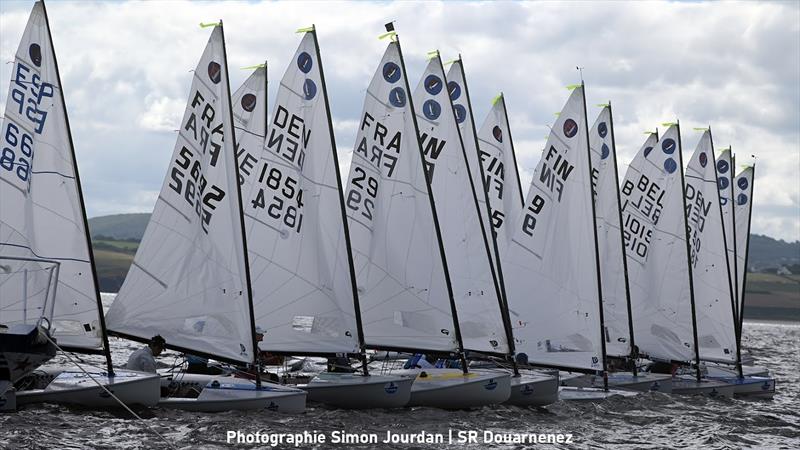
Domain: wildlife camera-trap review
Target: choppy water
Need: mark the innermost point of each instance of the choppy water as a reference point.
(648, 421)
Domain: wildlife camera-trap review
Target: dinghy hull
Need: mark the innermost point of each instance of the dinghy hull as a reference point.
(452, 389)
(588, 394)
(750, 386)
(711, 388)
(351, 391)
(533, 390)
(79, 388)
(227, 393)
(642, 382)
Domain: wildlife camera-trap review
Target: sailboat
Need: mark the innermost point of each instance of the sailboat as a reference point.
(657, 242)
(303, 281)
(190, 280)
(551, 266)
(43, 225)
(495, 183)
(477, 297)
(618, 332)
(735, 194)
(403, 285)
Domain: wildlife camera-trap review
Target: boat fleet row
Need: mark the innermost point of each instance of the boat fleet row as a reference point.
(430, 251)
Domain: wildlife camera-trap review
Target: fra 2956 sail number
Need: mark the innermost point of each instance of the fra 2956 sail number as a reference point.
(193, 187)
(280, 196)
(358, 201)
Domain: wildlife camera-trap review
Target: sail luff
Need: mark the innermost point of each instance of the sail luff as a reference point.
(502, 101)
(241, 218)
(356, 305)
(725, 254)
(633, 354)
(90, 252)
(688, 255)
(596, 249)
(490, 233)
(454, 312)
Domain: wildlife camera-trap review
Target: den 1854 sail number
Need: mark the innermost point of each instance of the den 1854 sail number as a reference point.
(284, 201)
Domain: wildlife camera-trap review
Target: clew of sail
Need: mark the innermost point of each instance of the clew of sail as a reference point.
(609, 242)
(550, 267)
(41, 208)
(402, 284)
(654, 228)
(188, 281)
(712, 286)
(477, 296)
(742, 210)
(302, 290)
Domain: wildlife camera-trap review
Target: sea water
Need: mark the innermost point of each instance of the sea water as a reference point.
(652, 420)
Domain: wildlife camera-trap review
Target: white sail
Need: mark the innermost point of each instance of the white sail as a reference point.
(469, 263)
(188, 281)
(716, 336)
(41, 210)
(743, 198)
(725, 175)
(249, 104)
(302, 286)
(550, 267)
(609, 240)
(459, 97)
(402, 285)
(655, 239)
(501, 179)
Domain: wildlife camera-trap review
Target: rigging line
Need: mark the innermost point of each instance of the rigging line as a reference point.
(147, 425)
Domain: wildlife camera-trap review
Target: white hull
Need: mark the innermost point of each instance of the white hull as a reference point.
(686, 385)
(750, 386)
(533, 390)
(643, 382)
(78, 388)
(353, 391)
(580, 394)
(452, 389)
(219, 393)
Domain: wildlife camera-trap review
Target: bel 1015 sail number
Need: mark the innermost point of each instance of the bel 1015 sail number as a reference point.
(283, 191)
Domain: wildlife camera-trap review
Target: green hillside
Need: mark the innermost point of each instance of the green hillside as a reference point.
(119, 226)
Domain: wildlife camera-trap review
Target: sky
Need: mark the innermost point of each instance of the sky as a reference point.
(735, 66)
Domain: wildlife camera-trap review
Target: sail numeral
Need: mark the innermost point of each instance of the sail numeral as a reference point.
(529, 224)
(355, 198)
(194, 188)
(36, 89)
(23, 142)
(285, 191)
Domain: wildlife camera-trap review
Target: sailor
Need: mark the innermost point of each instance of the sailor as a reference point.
(143, 359)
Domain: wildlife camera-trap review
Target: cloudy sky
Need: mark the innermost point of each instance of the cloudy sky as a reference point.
(736, 66)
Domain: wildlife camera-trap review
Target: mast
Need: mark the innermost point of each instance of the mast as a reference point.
(475, 199)
(596, 247)
(100, 313)
(688, 255)
(746, 255)
(633, 354)
(356, 305)
(499, 270)
(511, 143)
(256, 364)
(727, 261)
(456, 326)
